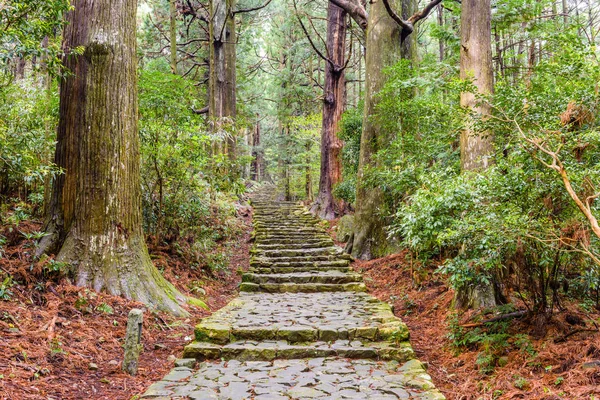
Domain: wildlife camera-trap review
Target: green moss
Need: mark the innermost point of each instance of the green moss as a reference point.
(197, 303)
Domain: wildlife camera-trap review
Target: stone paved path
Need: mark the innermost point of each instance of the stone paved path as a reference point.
(302, 327)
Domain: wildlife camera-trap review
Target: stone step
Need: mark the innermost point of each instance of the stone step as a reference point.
(298, 265)
(328, 251)
(267, 261)
(280, 246)
(291, 240)
(270, 350)
(301, 287)
(328, 277)
(289, 270)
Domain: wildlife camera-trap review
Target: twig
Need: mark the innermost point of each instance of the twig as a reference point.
(564, 337)
(502, 317)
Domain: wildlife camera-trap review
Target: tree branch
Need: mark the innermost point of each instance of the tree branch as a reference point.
(355, 9)
(408, 26)
(247, 10)
(424, 13)
(327, 59)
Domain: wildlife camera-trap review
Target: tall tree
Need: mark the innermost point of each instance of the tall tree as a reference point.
(334, 98)
(476, 147)
(173, 34)
(222, 78)
(388, 40)
(386, 44)
(95, 220)
(476, 64)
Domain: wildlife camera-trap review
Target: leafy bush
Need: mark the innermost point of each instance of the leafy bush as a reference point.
(513, 225)
(187, 192)
(28, 118)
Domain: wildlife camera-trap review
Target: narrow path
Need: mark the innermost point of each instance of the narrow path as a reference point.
(302, 327)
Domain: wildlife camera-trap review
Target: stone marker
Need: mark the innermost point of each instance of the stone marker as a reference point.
(133, 337)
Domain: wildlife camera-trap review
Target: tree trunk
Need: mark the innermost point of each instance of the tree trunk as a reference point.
(334, 98)
(222, 79)
(95, 218)
(173, 35)
(441, 44)
(307, 175)
(386, 45)
(256, 165)
(476, 148)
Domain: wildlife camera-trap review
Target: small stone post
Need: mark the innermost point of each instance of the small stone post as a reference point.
(133, 337)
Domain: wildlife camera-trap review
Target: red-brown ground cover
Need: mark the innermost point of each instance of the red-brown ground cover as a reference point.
(551, 368)
(58, 341)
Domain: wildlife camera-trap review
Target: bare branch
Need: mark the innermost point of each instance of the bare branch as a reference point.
(405, 25)
(247, 10)
(408, 26)
(201, 111)
(356, 9)
(424, 13)
(327, 59)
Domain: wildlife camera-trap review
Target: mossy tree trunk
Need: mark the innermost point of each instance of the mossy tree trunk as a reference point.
(476, 148)
(386, 45)
(95, 220)
(325, 206)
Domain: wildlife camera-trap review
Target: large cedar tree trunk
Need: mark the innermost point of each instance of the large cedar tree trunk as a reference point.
(386, 45)
(325, 205)
(476, 148)
(95, 219)
(222, 78)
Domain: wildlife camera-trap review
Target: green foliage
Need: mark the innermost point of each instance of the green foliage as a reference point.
(5, 286)
(513, 222)
(350, 131)
(105, 308)
(28, 117)
(25, 24)
(185, 188)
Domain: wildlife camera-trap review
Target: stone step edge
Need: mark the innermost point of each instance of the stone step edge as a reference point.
(291, 270)
(242, 351)
(318, 277)
(390, 329)
(301, 287)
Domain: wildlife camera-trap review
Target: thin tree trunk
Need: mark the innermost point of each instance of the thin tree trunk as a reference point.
(256, 166)
(173, 35)
(325, 205)
(441, 43)
(308, 190)
(96, 219)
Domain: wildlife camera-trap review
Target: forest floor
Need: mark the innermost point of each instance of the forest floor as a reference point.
(58, 341)
(565, 364)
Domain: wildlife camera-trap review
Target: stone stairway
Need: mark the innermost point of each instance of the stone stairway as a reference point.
(302, 327)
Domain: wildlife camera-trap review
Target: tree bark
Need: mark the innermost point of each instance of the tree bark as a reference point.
(173, 35)
(385, 48)
(325, 206)
(257, 163)
(476, 148)
(222, 79)
(95, 219)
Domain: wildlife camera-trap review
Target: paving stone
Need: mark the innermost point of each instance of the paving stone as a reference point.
(302, 328)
